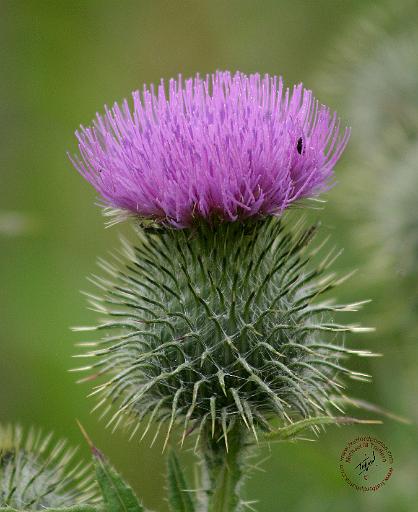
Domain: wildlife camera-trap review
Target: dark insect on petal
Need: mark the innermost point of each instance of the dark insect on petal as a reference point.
(299, 147)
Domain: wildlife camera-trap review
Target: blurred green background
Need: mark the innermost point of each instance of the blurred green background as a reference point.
(61, 61)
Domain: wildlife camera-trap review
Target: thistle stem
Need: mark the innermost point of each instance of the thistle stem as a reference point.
(223, 470)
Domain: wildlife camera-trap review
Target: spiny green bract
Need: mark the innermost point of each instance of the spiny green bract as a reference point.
(36, 475)
(211, 326)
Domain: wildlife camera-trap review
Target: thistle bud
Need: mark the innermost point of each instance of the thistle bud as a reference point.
(216, 326)
(36, 474)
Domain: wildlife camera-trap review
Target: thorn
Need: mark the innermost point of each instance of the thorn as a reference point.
(213, 413)
(347, 420)
(95, 451)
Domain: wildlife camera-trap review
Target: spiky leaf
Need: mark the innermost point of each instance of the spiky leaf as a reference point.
(179, 497)
(291, 431)
(118, 496)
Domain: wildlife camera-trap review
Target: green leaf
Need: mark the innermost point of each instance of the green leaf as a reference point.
(290, 431)
(179, 497)
(117, 494)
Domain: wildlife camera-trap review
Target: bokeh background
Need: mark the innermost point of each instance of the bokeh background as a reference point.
(61, 61)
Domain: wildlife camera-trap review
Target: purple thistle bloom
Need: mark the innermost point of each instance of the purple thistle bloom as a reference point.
(227, 147)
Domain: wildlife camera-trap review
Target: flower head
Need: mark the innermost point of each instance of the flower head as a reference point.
(225, 147)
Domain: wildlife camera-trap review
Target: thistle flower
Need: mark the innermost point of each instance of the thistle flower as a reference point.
(36, 475)
(371, 72)
(217, 325)
(226, 147)
(378, 88)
